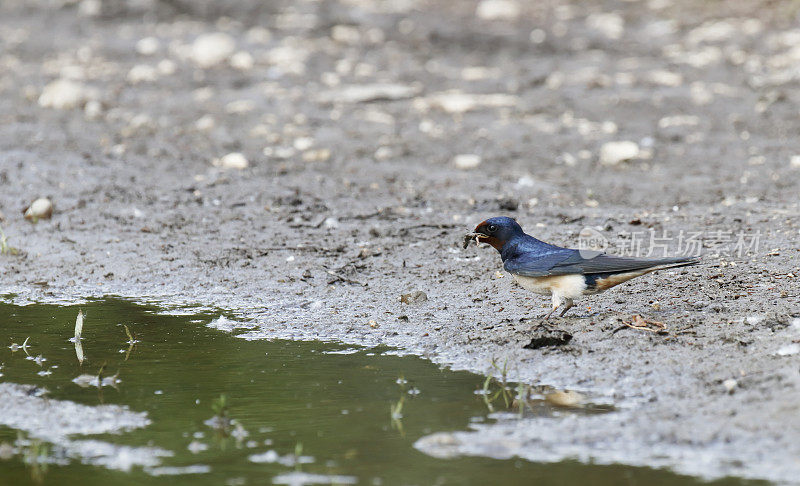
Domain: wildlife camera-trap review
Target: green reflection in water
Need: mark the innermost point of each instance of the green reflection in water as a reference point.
(346, 411)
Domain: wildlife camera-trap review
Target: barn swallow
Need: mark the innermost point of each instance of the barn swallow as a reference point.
(563, 272)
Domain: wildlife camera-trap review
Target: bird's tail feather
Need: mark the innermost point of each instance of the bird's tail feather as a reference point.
(674, 262)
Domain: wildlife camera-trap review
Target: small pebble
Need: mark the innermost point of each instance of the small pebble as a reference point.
(753, 320)
(204, 123)
(789, 350)
(62, 94)
(729, 385)
(526, 181)
(319, 155)
(609, 24)
(612, 153)
(467, 161)
(242, 61)
(346, 34)
(142, 73)
(565, 398)
(234, 160)
(303, 143)
(369, 92)
(90, 8)
(383, 153)
(41, 208)
(148, 46)
(211, 49)
(497, 10)
(166, 67)
(93, 110)
(665, 78)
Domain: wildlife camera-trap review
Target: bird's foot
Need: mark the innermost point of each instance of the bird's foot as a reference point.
(546, 318)
(568, 304)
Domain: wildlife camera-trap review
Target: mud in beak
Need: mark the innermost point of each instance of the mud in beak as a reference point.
(473, 237)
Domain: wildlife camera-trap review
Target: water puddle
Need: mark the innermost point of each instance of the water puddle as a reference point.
(176, 399)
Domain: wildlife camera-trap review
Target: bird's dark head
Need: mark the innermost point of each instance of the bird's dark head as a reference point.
(497, 231)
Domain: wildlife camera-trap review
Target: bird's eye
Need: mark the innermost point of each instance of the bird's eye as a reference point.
(492, 228)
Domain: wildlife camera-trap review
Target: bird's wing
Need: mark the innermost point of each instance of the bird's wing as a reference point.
(571, 262)
(532, 264)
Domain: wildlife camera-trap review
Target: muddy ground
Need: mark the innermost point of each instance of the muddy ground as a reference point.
(350, 116)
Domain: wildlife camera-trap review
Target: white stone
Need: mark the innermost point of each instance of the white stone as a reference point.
(526, 181)
(62, 94)
(476, 73)
(554, 80)
(609, 24)
(289, 58)
(497, 10)
(211, 49)
(148, 46)
(700, 93)
(789, 350)
(93, 109)
(141, 120)
(537, 36)
(258, 35)
(460, 102)
(665, 78)
(346, 34)
(369, 92)
(678, 121)
(318, 155)
(142, 73)
(240, 106)
(242, 61)
(795, 161)
(234, 160)
(41, 208)
(383, 153)
(204, 123)
(729, 385)
(714, 31)
(303, 143)
(612, 153)
(467, 161)
(565, 398)
(90, 8)
(754, 320)
(167, 67)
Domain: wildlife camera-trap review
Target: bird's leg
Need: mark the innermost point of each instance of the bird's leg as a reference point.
(569, 304)
(556, 305)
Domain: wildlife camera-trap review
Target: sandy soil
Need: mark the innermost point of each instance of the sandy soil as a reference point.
(351, 116)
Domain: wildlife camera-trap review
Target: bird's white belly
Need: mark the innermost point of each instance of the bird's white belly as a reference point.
(568, 286)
